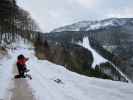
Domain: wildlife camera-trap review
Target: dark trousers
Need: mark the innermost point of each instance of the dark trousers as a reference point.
(21, 69)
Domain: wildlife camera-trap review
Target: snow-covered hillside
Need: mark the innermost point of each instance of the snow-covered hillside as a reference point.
(51, 81)
(98, 59)
(93, 25)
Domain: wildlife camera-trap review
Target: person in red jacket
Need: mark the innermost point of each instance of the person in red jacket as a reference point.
(21, 65)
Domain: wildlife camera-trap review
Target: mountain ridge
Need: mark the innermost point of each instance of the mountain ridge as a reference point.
(93, 25)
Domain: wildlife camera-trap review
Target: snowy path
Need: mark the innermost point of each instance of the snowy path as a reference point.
(21, 89)
(51, 81)
(13, 89)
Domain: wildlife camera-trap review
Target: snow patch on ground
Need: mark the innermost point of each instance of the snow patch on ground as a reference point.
(98, 59)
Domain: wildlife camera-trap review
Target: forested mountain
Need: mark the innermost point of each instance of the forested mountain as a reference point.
(112, 38)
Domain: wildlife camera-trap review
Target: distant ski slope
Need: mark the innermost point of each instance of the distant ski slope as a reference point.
(51, 81)
(98, 59)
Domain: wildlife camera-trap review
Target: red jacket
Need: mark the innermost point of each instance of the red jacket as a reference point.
(22, 61)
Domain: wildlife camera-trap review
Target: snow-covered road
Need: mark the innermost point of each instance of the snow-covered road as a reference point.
(51, 81)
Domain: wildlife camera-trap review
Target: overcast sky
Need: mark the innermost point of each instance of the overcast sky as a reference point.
(50, 14)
